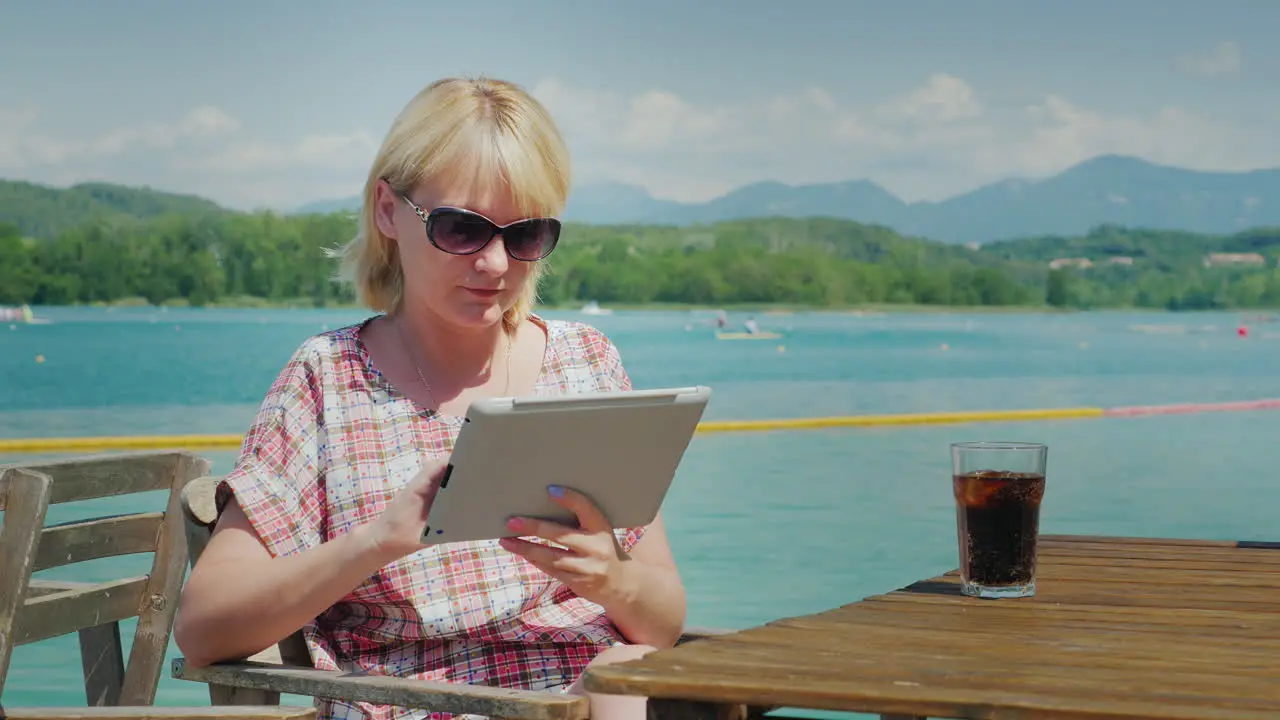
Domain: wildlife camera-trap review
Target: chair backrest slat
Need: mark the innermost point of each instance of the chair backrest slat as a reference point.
(98, 538)
(25, 497)
(40, 587)
(98, 476)
(66, 612)
(168, 571)
(102, 661)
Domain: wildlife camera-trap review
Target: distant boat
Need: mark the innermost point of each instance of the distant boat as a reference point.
(22, 315)
(748, 336)
(593, 308)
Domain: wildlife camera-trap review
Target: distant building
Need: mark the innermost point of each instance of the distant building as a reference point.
(1120, 260)
(1070, 262)
(1218, 259)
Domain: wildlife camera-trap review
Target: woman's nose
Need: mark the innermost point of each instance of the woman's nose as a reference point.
(493, 259)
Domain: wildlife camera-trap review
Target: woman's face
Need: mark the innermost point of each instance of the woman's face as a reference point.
(464, 291)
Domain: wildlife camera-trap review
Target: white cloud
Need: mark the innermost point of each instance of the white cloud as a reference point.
(205, 151)
(202, 122)
(1223, 59)
(332, 151)
(936, 140)
(22, 145)
(649, 121)
(939, 138)
(944, 98)
(1060, 134)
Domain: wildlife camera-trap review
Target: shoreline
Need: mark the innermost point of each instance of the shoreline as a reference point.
(767, 309)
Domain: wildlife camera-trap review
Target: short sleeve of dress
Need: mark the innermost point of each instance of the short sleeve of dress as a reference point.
(614, 369)
(277, 479)
(606, 362)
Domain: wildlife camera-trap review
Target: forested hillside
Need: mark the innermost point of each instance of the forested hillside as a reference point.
(44, 212)
(105, 244)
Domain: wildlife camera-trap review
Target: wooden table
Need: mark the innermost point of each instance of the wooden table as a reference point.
(1121, 628)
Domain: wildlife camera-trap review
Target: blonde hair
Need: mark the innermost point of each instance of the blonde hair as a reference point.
(479, 132)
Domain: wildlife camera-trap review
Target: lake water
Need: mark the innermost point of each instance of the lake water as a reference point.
(764, 525)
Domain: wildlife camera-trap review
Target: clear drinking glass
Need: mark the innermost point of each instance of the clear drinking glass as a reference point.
(998, 488)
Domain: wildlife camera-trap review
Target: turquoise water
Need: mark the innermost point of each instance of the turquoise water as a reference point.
(763, 524)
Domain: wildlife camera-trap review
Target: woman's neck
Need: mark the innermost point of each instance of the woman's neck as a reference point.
(456, 356)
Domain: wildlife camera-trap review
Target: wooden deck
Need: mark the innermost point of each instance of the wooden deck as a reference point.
(1120, 629)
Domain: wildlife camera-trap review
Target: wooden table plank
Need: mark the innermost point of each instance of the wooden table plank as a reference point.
(1097, 669)
(1263, 557)
(901, 696)
(1132, 541)
(1002, 632)
(1217, 561)
(877, 642)
(1130, 594)
(994, 675)
(1120, 629)
(1249, 624)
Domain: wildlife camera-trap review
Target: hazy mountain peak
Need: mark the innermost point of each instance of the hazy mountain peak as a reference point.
(1110, 188)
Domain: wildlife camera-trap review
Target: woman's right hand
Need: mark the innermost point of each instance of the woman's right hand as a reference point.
(398, 530)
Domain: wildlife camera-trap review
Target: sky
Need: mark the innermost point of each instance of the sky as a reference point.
(275, 104)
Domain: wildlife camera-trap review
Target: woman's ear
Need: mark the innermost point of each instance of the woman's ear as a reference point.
(385, 203)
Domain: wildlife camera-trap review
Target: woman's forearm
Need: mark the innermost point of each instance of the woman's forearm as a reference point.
(235, 607)
(649, 607)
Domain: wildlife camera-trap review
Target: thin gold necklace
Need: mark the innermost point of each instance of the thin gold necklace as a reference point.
(506, 383)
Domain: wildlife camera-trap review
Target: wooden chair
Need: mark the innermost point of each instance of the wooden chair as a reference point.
(32, 610)
(287, 668)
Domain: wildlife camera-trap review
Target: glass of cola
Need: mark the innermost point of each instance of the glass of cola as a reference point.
(998, 488)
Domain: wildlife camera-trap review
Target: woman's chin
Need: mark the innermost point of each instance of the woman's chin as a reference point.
(478, 315)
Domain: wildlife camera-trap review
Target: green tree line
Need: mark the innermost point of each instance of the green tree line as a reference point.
(205, 258)
(1135, 267)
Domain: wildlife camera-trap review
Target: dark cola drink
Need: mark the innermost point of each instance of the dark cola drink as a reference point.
(998, 517)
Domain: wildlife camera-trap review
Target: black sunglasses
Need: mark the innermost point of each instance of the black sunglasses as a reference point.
(462, 232)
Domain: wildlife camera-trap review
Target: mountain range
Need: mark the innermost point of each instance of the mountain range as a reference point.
(1109, 189)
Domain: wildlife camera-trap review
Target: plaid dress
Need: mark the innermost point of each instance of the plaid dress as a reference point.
(330, 445)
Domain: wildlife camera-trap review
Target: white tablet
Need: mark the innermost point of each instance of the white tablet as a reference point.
(621, 449)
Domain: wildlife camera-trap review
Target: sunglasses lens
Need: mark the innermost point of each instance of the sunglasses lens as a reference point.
(532, 239)
(460, 233)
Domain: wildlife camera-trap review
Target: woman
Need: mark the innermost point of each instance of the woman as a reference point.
(321, 516)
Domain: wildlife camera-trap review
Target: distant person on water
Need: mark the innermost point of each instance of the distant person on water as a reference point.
(750, 325)
(321, 517)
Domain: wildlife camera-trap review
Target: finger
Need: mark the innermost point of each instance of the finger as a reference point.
(589, 515)
(429, 477)
(545, 529)
(426, 484)
(573, 567)
(540, 555)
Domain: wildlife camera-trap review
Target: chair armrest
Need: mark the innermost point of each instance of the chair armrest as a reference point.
(153, 712)
(387, 690)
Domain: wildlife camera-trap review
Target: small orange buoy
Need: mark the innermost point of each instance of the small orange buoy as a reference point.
(39, 359)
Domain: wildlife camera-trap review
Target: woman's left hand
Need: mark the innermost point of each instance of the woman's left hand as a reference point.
(591, 562)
